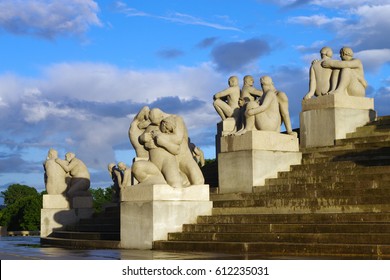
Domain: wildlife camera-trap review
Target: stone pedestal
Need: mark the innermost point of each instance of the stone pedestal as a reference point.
(3, 231)
(327, 118)
(149, 213)
(247, 160)
(57, 212)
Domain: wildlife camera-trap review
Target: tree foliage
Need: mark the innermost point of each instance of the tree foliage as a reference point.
(23, 208)
(100, 197)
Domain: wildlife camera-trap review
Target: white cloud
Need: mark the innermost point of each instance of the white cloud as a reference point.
(374, 59)
(48, 19)
(318, 20)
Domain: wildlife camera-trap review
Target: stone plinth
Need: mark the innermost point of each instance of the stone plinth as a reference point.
(57, 212)
(149, 213)
(3, 231)
(224, 128)
(327, 118)
(247, 160)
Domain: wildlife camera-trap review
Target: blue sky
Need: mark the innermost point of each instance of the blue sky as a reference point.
(74, 72)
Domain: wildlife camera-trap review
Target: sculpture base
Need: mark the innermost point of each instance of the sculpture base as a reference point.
(149, 213)
(247, 160)
(327, 118)
(57, 212)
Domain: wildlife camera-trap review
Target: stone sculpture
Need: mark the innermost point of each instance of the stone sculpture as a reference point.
(116, 177)
(329, 76)
(197, 153)
(79, 175)
(248, 91)
(166, 140)
(125, 175)
(269, 112)
(55, 175)
(320, 78)
(351, 79)
(226, 101)
(137, 127)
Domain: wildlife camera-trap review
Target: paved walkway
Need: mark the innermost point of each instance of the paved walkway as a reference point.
(29, 248)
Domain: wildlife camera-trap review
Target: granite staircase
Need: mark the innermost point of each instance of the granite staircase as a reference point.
(335, 205)
(101, 231)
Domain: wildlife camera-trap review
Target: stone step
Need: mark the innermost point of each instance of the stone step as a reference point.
(101, 220)
(86, 235)
(80, 243)
(304, 202)
(352, 154)
(277, 249)
(330, 171)
(370, 130)
(328, 179)
(311, 207)
(312, 227)
(362, 140)
(307, 238)
(306, 218)
(337, 187)
(94, 227)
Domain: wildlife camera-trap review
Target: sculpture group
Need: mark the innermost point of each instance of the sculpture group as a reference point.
(253, 109)
(162, 147)
(164, 153)
(69, 177)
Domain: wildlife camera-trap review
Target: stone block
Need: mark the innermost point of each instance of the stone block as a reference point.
(55, 219)
(328, 118)
(226, 126)
(150, 217)
(52, 201)
(240, 171)
(3, 231)
(165, 192)
(260, 140)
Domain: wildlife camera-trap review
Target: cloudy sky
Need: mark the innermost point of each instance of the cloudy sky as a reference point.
(73, 73)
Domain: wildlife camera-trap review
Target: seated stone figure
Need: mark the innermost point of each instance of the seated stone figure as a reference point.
(226, 101)
(116, 177)
(125, 175)
(137, 127)
(248, 91)
(320, 78)
(80, 178)
(269, 113)
(55, 175)
(350, 80)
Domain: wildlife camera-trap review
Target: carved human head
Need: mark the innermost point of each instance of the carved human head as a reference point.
(156, 116)
(326, 51)
(346, 53)
(69, 156)
(266, 83)
(52, 154)
(233, 81)
(168, 125)
(122, 166)
(248, 80)
(110, 167)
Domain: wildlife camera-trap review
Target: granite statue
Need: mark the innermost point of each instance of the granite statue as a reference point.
(79, 175)
(350, 80)
(166, 140)
(226, 101)
(137, 127)
(56, 179)
(320, 78)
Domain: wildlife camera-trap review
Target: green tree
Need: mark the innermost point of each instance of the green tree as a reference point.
(100, 197)
(23, 208)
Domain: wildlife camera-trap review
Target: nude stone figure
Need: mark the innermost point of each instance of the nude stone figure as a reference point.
(116, 177)
(147, 173)
(137, 127)
(55, 175)
(248, 91)
(163, 159)
(226, 101)
(125, 178)
(268, 115)
(320, 78)
(80, 178)
(174, 138)
(351, 79)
